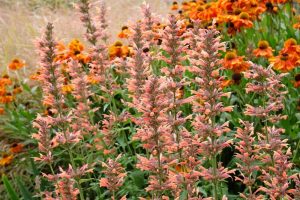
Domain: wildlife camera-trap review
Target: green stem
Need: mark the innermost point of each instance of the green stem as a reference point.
(74, 166)
(296, 151)
(215, 182)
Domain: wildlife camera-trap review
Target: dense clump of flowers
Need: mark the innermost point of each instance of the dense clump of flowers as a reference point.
(138, 64)
(160, 98)
(50, 75)
(247, 155)
(208, 105)
(273, 151)
(154, 133)
(114, 175)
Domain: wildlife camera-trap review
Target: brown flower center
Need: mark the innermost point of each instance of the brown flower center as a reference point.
(284, 56)
(230, 56)
(263, 44)
(244, 15)
(297, 77)
(237, 11)
(118, 44)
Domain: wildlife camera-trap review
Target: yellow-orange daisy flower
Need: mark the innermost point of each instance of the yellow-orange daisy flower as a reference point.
(263, 50)
(16, 64)
(6, 160)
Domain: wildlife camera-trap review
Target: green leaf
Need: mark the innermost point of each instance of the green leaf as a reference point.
(183, 195)
(11, 192)
(25, 193)
(138, 178)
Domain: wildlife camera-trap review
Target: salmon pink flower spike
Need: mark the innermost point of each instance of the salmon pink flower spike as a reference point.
(248, 159)
(154, 132)
(43, 137)
(138, 65)
(207, 104)
(79, 80)
(102, 23)
(64, 188)
(114, 174)
(91, 34)
(273, 151)
(149, 21)
(277, 180)
(50, 76)
(173, 45)
(266, 82)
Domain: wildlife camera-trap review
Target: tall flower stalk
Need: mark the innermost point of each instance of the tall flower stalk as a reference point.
(208, 106)
(247, 155)
(155, 134)
(274, 153)
(138, 65)
(173, 45)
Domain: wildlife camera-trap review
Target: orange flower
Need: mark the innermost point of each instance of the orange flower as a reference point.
(297, 25)
(16, 148)
(82, 58)
(67, 89)
(179, 93)
(290, 47)
(75, 47)
(185, 6)
(297, 81)
(17, 89)
(5, 80)
(234, 62)
(243, 20)
(174, 6)
(2, 111)
(263, 50)
(60, 47)
(226, 83)
(93, 79)
(118, 50)
(283, 62)
(8, 98)
(16, 64)
(35, 76)
(2, 91)
(6, 159)
(124, 33)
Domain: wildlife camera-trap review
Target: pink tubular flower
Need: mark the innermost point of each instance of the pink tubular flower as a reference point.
(277, 180)
(148, 22)
(81, 119)
(44, 138)
(114, 174)
(220, 174)
(84, 7)
(296, 190)
(102, 25)
(65, 181)
(266, 82)
(50, 76)
(247, 155)
(138, 65)
(154, 133)
(273, 151)
(65, 189)
(207, 104)
(173, 45)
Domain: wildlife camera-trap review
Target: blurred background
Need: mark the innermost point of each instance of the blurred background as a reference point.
(22, 21)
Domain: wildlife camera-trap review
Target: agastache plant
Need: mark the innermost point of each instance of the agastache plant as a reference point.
(155, 134)
(208, 106)
(138, 64)
(274, 152)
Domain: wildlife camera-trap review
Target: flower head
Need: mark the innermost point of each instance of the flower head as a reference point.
(16, 64)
